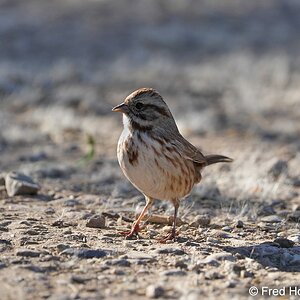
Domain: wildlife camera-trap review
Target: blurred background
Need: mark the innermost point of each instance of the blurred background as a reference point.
(229, 70)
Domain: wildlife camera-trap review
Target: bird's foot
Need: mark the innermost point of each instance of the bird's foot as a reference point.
(133, 232)
(171, 236)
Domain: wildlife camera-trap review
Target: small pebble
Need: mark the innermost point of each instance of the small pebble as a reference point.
(212, 275)
(227, 228)
(154, 291)
(220, 256)
(278, 168)
(169, 250)
(62, 247)
(49, 211)
(213, 240)
(2, 179)
(221, 234)
(28, 253)
(294, 216)
(284, 243)
(97, 221)
(201, 220)
(173, 272)
(246, 274)
(117, 272)
(84, 253)
(207, 261)
(20, 184)
(295, 238)
(118, 262)
(271, 219)
(181, 264)
(239, 224)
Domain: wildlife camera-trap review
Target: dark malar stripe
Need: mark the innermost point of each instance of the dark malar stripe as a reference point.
(137, 126)
(139, 136)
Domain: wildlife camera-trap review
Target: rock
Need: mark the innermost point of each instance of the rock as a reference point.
(227, 228)
(239, 224)
(232, 268)
(278, 168)
(222, 256)
(28, 253)
(2, 179)
(221, 234)
(173, 272)
(170, 250)
(20, 184)
(271, 219)
(62, 247)
(49, 211)
(207, 261)
(181, 264)
(295, 238)
(2, 265)
(295, 181)
(192, 244)
(71, 202)
(154, 291)
(213, 240)
(231, 283)
(34, 157)
(85, 252)
(295, 260)
(184, 227)
(294, 216)
(117, 272)
(265, 210)
(96, 221)
(201, 220)
(140, 258)
(212, 275)
(118, 262)
(284, 243)
(246, 274)
(78, 279)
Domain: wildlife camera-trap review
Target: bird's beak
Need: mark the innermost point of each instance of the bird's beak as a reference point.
(123, 108)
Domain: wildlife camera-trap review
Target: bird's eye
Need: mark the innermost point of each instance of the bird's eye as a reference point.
(139, 105)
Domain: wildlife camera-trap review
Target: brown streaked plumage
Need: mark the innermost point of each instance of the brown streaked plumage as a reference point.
(153, 154)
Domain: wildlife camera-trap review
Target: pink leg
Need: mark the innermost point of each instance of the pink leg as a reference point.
(136, 225)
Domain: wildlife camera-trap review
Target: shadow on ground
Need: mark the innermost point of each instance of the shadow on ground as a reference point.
(271, 255)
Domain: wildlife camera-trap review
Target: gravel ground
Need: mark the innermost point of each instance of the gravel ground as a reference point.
(230, 73)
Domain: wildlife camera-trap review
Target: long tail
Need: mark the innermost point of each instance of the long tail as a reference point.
(213, 159)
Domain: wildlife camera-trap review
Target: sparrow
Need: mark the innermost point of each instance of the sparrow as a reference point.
(154, 156)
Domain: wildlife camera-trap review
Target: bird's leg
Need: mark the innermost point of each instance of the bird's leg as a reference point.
(136, 225)
(172, 234)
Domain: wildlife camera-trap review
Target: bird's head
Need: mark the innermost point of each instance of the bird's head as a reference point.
(145, 108)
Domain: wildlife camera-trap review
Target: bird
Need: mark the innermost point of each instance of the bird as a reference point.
(155, 157)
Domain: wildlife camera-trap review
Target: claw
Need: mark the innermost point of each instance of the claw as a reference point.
(133, 232)
(169, 237)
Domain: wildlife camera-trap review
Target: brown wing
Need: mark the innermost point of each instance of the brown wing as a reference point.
(189, 151)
